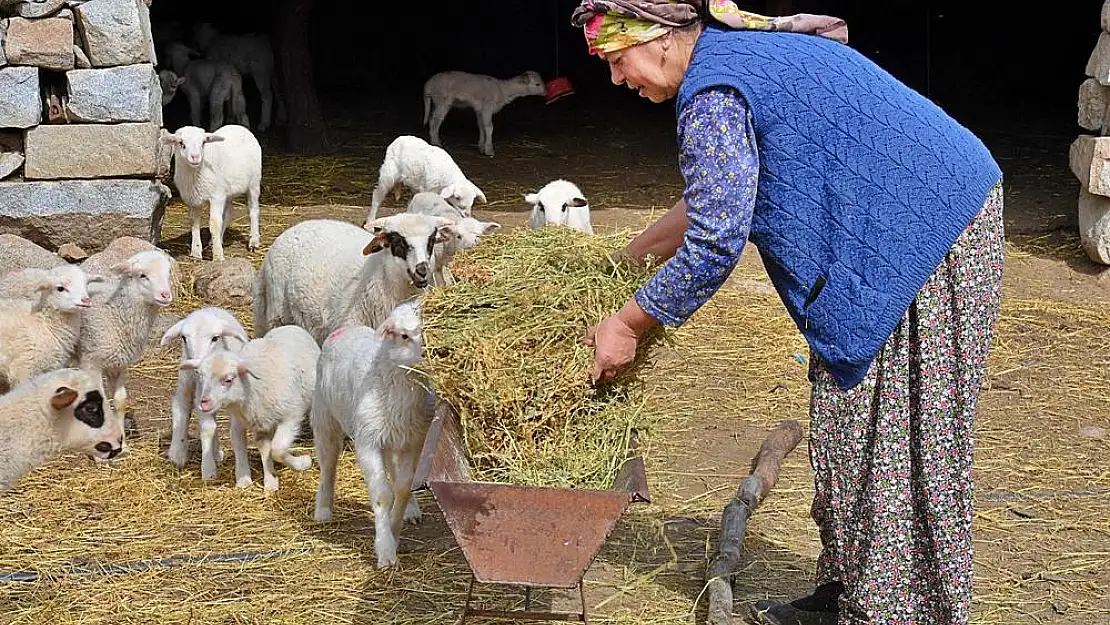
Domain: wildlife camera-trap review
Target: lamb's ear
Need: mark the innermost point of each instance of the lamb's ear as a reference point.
(578, 202)
(447, 192)
(180, 81)
(124, 268)
(244, 368)
(479, 195)
(210, 137)
(63, 397)
(170, 139)
(172, 334)
(376, 244)
(445, 230)
(531, 198)
(96, 284)
(189, 365)
(234, 333)
(488, 225)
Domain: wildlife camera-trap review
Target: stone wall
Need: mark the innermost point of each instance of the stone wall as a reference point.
(80, 122)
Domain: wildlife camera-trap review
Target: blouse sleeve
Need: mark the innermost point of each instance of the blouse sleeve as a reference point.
(720, 165)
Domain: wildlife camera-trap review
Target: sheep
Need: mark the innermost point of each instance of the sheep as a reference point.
(218, 83)
(560, 202)
(467, 231)
(316, 276)
(412, 162)
(200, 332)
(267, 388)
(55, 412)
(365, 390)
(177, 55)
(118, 326)
(252, 55)
(41, 335)
(486, 95)
(214, 175)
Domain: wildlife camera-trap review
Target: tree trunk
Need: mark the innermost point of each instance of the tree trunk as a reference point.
(305, 132)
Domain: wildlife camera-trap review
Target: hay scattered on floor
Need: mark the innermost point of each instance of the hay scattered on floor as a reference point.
(504, 346)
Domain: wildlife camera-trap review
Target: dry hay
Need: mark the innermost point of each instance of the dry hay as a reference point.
(504, 347)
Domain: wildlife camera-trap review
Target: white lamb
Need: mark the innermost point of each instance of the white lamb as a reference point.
(177, 55)
(412, 162)
(467, 232)
(365, 389)
(212, 83)
(212, 168)
(560, 203)
(317, 275)
(40, 335)
(253, 56)
(118, 326)
(267, 388)
(200, 332)
(53, 413)
(486, 95)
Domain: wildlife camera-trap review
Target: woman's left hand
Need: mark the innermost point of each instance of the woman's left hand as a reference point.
(615, 340)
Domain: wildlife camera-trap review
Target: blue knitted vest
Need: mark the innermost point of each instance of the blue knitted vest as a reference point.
(864, 185)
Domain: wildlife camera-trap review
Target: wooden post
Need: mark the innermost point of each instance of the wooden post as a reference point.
(305, 132)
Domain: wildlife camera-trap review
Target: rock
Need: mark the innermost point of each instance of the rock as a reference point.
(130, 93)
(56, 151)
(45, 43)
(227, 283)
(72, 253)
(1093, 100)
(89, 213)
(1098, 64)
(1106, 16)
(9, 162)
(34, 9)
(80, 60)
(1088, 158)
(19, 253)
(112, 32)
(1094, 226)
(3, 33)
(163, 162)
(20, 106)
(119, 250)
(148, 32)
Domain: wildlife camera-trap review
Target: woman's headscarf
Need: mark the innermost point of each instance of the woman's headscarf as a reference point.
(612, 25)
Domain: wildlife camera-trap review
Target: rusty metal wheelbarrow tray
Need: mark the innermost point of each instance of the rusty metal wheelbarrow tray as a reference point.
(521, 535)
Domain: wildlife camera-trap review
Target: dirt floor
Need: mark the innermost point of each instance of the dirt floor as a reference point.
(1042, 546)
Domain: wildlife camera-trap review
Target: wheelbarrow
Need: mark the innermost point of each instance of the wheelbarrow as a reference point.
(524, 536)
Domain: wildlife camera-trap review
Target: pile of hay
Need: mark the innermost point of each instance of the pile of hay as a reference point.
(504, 347)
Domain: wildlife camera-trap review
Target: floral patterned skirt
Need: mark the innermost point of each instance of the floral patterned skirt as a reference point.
(892, 457)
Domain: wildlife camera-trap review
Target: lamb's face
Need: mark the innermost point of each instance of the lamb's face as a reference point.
(403, 334)
(218, 380)
(201, 332)
(190, 142)
(170, 82)
(67, 287)
(554, 206)
(151, 271)
(407, 241)
(462, 196)
(533, 83)
(468, 230)
(89, 424)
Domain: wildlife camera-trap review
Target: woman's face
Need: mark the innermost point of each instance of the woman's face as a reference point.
(646, 68)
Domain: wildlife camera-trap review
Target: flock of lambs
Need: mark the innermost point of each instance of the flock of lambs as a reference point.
(336, 315)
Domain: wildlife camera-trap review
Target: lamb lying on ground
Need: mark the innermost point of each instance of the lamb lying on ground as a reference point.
(267, 388)
(213, 168)
(411, 162)
(54, 412)
(365, 390)
(317, 275)
(486, 95)
(43, 334)
(200, 332)
(561, 203)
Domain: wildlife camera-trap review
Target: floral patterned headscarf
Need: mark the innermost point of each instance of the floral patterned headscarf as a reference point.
(611, 25)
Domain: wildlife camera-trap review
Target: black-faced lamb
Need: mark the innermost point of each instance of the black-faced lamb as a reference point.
(253, 56)
(267, 388)
(41, 334)
(486, 95)
(213, 168)
(52, 413)
(562, 203)
(321, 273)
(365, 389)
(214, 84)
(413, 163)
(200, 332)
(117, 327)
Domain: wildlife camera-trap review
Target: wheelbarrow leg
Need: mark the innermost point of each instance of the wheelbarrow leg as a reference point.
(582, 597)
(734, 521)
(469, 597)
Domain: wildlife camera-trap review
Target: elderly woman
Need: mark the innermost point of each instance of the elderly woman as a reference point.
(879, 221)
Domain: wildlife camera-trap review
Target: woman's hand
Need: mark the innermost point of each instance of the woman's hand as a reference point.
(615, 340)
